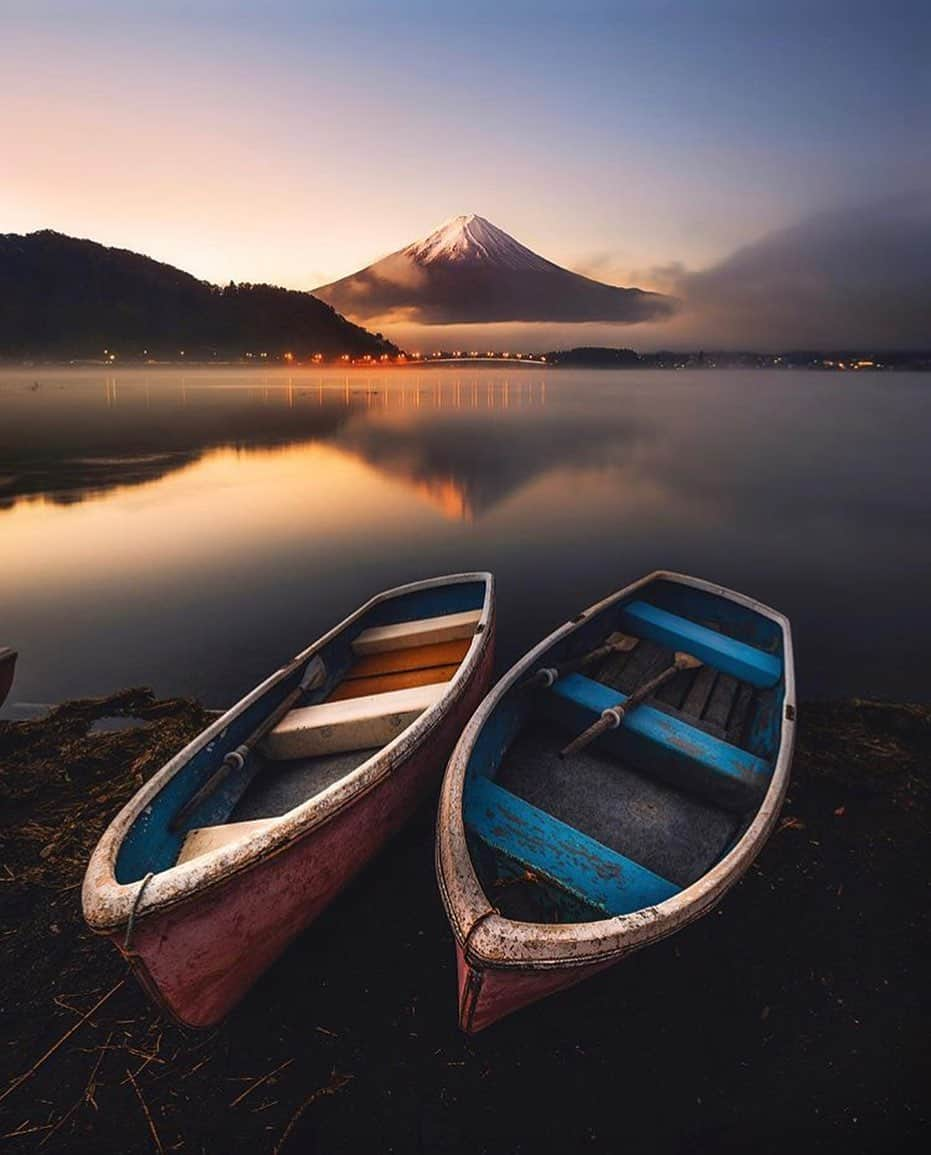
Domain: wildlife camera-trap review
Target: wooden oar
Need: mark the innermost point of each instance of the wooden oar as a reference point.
(612, 717)
(236, 759)
(615, 644)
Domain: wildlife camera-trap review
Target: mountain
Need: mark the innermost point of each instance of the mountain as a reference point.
(64, 297)
(469, 271)
(594, 357)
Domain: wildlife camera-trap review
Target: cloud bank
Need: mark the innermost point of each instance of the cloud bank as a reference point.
(854, 276)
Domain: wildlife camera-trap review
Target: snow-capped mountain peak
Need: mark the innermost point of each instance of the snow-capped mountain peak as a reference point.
(473, 240)
(471, 272)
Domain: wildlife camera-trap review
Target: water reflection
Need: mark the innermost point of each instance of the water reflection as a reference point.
(55, 443)
(191, 530)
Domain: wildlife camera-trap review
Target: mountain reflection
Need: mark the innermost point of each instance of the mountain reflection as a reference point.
(467, 464)
(462, 444)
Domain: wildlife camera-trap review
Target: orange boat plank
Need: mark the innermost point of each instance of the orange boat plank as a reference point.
(416, 658)
(383, 683)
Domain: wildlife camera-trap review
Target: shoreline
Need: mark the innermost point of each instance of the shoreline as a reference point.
(660, 361)
(791, 1014)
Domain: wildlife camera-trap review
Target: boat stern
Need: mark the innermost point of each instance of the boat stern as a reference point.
(488, 994)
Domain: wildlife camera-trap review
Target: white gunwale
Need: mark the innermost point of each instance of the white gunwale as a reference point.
(108, 903)
(489, 939)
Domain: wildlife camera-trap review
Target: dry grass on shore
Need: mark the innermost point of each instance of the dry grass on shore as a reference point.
(794, 1013)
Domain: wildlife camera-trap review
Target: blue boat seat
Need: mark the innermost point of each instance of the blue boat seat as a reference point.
(571, 860)
(657, 743)
(746, 663)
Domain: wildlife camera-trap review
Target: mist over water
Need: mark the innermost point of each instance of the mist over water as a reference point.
(193, 529)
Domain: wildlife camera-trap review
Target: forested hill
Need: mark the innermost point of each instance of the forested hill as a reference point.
(63, 297)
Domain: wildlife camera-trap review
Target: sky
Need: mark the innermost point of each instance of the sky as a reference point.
(298, 142)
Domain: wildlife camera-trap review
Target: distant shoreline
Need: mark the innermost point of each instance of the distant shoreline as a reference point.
(595, 358)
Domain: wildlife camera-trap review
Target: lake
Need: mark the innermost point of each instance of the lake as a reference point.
(192, 529)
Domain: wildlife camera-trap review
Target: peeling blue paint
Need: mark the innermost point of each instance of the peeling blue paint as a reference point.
(541, 843)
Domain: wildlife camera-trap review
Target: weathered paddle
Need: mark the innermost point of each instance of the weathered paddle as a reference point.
(236, 759)
(612, 717)
(614, 644)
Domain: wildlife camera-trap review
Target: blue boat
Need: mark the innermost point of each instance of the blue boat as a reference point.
(612, 786)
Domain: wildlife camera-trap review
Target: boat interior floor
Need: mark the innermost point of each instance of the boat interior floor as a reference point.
(676, 835)
(704, 698)
(633, 818)
(278, 787)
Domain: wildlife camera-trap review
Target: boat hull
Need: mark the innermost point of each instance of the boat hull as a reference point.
(487, 994)
(7, 667)
(505, 964)
(199, 957)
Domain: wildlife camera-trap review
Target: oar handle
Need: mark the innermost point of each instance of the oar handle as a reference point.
(610, 720)
(548, 675)
(612, 717)
(236, 759)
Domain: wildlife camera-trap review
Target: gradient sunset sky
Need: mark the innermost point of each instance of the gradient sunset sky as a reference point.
(297, 142)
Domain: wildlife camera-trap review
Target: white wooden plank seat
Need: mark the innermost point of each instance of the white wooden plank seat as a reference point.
(421, 632)
(353, 724)
(207, 838)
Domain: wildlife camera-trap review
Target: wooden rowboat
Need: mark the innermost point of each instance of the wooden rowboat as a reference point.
(243, 838)
(552, 868)
(7, 666)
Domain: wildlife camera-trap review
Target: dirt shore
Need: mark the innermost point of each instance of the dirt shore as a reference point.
(792, 1018)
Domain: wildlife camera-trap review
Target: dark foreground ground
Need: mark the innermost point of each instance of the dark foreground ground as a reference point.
(794, 1018)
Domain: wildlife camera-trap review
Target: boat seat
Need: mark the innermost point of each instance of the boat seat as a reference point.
(420, 632)
(356, 724)
(743, 662)
(207, 838)
(399, 669)
(592, 872)
(658, 743)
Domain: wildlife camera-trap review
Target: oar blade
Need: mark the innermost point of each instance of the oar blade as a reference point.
(621, 643)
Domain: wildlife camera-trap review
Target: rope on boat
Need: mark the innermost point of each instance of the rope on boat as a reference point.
(473, 928)
(127, 941)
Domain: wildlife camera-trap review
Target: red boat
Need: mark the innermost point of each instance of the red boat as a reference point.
(244, 837)
(7, 666)
(612, 786)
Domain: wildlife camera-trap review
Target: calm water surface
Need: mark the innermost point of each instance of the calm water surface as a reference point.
(191, 530)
